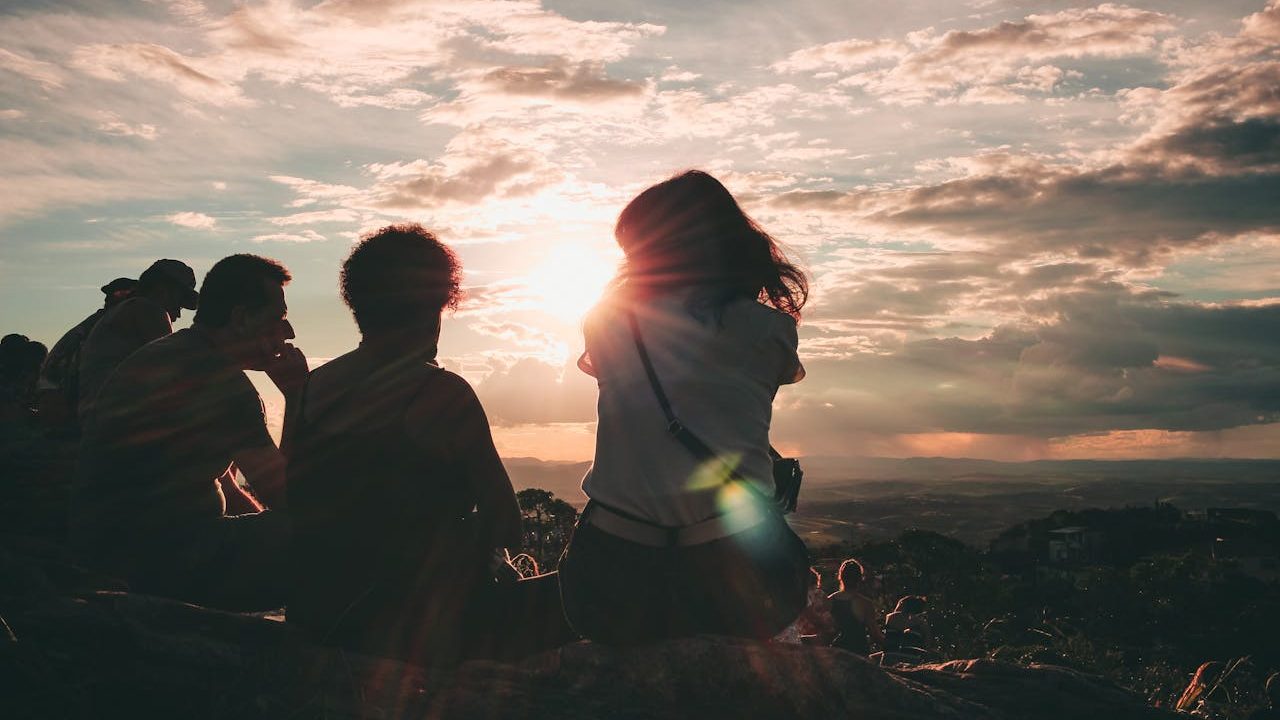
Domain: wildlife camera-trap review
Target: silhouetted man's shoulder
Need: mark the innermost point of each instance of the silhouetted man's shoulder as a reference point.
(174, 377)
(166, 425)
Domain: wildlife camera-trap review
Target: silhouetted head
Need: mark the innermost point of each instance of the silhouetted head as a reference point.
(13, 356)
(1273, 689)
(911, 604)
(851, 574)
(689, 232)
(399, 279)
(118, 290)
(242, 299)
(172, 284)
(20, 361)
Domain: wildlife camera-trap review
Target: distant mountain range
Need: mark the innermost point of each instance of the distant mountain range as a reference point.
(963, 475)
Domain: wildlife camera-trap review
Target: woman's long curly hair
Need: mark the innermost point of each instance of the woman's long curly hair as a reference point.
(689, 232)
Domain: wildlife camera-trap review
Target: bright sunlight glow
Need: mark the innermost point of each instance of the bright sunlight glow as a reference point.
(569, 280)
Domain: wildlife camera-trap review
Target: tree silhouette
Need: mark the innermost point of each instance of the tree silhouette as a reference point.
(548, 524)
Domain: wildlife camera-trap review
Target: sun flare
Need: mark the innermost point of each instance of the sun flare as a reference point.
(569, 280)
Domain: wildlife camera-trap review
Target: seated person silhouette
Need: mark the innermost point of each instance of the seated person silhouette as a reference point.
(155, 303)
(852, 612)
(20, 360)
(59, 388)
(150, 503)
(906, 629)
(399, 500)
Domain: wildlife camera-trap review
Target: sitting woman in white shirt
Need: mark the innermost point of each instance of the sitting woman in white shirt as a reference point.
(673, 544)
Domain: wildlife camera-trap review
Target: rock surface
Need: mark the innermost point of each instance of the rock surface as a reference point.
(76, 651)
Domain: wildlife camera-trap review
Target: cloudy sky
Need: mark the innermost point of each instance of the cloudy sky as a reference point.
(1035, 229)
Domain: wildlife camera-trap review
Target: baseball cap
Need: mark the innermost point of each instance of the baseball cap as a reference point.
(178, 273)
(119, 285)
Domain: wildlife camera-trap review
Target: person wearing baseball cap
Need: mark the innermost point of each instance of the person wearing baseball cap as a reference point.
(118, 290)
(156, 501)
(163, 290)
(58, 390)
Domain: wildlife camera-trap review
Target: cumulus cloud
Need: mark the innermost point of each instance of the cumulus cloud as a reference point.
(1206, 172)
(1001, 298)
(338, 215)
(586, 81)
(728, 111)
(315, 190)
(370, 52)
(533, 391)
(1104, 362)
(1130, 214)
(350, 95)
(47, 75)
(302, 236)
(841, 55)
(475, 166)
(112, 125)
(529, 339)
(989, 64)
(194, 220)
(674, 74)
(157, 63)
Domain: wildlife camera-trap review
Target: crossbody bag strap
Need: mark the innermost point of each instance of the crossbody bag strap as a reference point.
(677, 429)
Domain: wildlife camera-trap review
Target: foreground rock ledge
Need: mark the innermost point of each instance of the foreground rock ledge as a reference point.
(114, 654)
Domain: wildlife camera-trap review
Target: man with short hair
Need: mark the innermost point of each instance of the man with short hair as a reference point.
(162, 291)
(168, 426)
(58, 391)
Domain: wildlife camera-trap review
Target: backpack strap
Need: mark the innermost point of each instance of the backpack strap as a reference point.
(677, 429)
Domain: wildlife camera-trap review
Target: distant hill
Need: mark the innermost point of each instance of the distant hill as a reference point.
(823, 469)
(848, 498)
(564, 479)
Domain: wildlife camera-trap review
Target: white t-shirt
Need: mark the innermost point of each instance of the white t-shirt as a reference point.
(720, 378)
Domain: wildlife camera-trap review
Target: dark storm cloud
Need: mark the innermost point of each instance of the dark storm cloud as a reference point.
(921, 290)
(1108, 361)
(1208, 171)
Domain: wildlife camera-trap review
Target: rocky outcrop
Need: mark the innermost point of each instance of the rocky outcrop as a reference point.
(75, 651)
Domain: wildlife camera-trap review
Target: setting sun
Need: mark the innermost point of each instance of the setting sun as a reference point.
(570, 279)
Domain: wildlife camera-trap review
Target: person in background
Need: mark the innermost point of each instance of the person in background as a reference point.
(20, 360)
(814, 624)
(853, 613)
(402, 509)
(906, 629)
(676, 542)
(149, 313)
(58, 390)
(150, 503)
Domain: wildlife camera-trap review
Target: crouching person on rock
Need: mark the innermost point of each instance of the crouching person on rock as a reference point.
(689, 347)
(156, 501)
